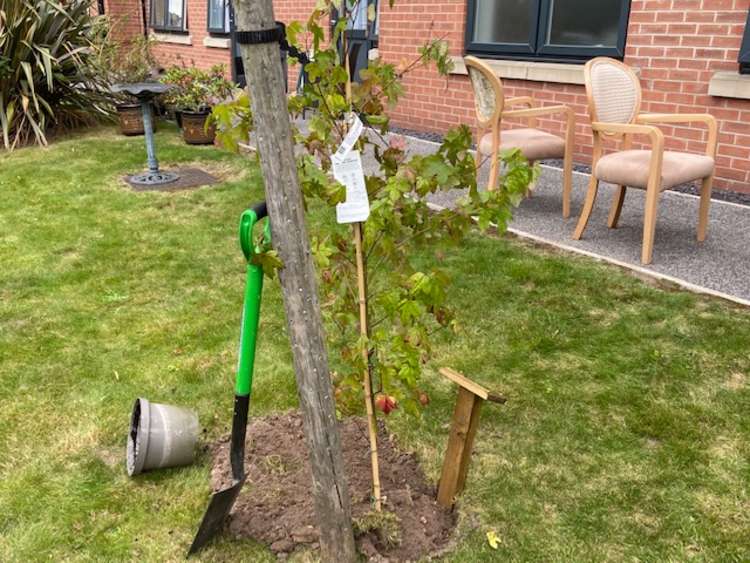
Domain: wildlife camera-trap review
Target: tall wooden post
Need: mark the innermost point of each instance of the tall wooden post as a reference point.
(272, 129)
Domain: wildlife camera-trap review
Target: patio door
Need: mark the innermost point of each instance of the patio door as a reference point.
(361, 34)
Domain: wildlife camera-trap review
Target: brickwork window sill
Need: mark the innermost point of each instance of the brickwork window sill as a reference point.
(560, 73)
(728, 84)
(216, 42)
(178, 38)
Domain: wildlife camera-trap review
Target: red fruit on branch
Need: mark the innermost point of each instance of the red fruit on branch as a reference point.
(424, 398)
(385, 403)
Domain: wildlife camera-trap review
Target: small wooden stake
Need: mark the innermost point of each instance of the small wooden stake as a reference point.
(463, 429)
(464, 426)
(366, 379)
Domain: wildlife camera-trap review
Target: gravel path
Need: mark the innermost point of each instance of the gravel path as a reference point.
(720, 264)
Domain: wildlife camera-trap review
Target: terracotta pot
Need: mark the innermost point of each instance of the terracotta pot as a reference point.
(131, 119)
(194, 128)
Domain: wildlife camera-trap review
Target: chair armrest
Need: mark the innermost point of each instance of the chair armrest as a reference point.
(654, 133)
(705, 118)
(536, 112)
(528, 100)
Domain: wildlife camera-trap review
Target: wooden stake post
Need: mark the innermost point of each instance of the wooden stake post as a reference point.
(464, 425)
(266, 81)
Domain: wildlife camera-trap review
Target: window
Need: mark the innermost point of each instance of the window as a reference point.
(552, 30)
(218, 16)
(745, 49)
(168, 15)
(357, 15)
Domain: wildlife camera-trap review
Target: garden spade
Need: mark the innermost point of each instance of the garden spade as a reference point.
(222, 500)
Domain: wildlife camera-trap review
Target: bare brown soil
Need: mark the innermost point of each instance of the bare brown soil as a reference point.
(276, 506)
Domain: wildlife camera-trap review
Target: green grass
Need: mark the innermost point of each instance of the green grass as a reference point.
(626, 436)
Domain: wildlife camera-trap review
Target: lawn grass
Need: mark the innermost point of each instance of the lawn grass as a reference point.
(626, 435)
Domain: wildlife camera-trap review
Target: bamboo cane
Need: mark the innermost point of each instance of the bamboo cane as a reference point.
(372, 427)
(366, 379)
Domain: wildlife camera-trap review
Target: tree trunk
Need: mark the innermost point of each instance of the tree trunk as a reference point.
(272, 129)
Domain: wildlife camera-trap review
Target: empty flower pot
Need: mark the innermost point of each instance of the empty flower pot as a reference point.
(160, 436)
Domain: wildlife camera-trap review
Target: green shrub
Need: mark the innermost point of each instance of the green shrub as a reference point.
(197, 90)
(47, 75)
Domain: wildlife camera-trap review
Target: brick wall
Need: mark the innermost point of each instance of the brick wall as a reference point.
(125, 16)
(128, 22)
(676, 44)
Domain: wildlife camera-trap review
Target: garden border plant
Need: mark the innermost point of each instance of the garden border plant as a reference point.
(407, 304)
(120, 62)
(195, 93)
(48, 75)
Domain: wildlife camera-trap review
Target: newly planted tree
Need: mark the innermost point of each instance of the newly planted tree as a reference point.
(405, 303)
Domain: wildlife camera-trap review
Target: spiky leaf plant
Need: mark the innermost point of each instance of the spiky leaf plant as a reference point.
(47, 75)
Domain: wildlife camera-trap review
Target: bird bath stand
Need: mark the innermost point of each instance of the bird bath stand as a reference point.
(145, 92)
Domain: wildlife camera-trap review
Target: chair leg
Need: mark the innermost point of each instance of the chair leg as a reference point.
(494, 171)
(616, 209)
(588, 206)
(649, 225)
(705, 203)
(567, 181)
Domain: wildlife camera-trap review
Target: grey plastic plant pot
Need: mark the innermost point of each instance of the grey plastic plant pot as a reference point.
(160, 436)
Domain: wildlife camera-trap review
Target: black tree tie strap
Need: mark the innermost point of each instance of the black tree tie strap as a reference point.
(275, 35)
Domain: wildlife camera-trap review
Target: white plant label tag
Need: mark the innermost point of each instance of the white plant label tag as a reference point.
(349, 172)
(355, 130)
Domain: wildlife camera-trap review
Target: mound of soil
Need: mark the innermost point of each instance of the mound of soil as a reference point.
(276, 506)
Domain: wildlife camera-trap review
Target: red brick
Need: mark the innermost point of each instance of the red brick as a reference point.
(676, 44)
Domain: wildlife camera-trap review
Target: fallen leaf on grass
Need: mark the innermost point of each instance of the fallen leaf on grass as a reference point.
(493, 539)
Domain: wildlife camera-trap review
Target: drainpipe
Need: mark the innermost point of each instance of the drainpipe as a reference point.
(143, 19)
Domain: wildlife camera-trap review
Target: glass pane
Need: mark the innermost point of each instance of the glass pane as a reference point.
(175, 14)
(589, 23)
(157, 13)
(215, 14)
(502, 21)
(357, 14)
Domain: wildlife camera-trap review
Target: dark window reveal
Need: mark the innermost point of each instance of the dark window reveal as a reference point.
(567, 30)
(168, 15)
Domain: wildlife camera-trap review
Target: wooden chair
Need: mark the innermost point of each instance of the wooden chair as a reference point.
(534, 144)
(614, 100)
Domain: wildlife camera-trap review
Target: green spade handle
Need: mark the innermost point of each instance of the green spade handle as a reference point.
(253, 290)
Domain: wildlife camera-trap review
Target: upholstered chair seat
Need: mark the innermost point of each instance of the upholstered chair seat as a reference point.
(631, 168)
(533, 143)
